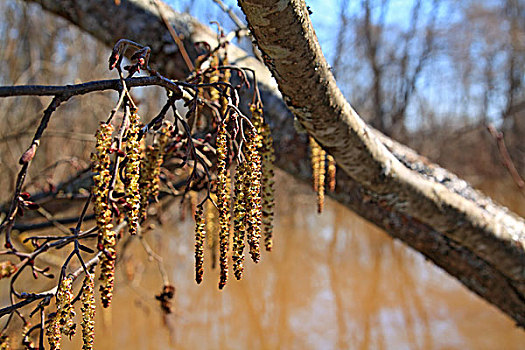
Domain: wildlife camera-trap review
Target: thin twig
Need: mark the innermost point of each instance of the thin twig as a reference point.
(176, 38)
(506, 159)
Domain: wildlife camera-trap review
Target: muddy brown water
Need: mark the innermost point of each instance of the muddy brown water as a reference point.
(333, 281)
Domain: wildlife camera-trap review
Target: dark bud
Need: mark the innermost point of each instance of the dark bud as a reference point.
(113, 59)
(28, 155)
(25, 195)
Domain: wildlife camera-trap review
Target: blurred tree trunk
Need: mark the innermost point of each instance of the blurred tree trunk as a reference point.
(428, 208)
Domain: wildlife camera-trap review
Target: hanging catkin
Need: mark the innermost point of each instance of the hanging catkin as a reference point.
(321, 184)
(106, 236)
(212, 229)
(314, 159)
(63, 322)
(331, 172)
(318, 160)
(267, 160)
(239, 218)
(132, 172)
(199, 243)
(223, 194)
(88, 312)
(253, 197)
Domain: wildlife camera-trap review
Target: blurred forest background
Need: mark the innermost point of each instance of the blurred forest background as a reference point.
(430, 73)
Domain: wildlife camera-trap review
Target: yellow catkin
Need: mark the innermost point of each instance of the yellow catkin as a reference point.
(318, 160)
(267, 160)
(150, 166)
(321, 176)
(212, 229)
(132, 172)
(330, 174)
(7, 269)
(253, 190)
(314, 159)
(239, 220)
(4, 342)
(200, 236)
(214, 77)
(223, 203)
(27, 342)
(62, 323)
(88, 312)
(103, 214)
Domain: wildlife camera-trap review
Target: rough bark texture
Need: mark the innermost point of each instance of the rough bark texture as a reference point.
(441, 216)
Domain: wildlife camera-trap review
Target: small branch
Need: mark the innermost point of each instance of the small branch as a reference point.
(506, 159)
(29, 298)
(176, 38)
(84, 88)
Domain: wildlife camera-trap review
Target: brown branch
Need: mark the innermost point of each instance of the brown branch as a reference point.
(31, 297)
(175, 37)
(84, 88)
(506, 159)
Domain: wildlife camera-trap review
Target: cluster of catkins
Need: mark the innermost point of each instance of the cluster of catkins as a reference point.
(323, 169)
(140, 182)
(252, 203)
(62, 323)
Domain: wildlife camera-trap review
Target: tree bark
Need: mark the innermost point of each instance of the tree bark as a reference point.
(428, 208)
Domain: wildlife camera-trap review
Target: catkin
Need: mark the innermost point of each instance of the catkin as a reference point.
(132, 172)
(62, 323)
(199, 243)
(253, 197)
(321, 184)
(212, 229)
(88, 312)
(223, 194)
(150, 166)
(331, 169)
(239, 220)
(4, 342)
(106, 236)
(314, 159)
(267, 160)
(7, 269)
(27, 342)
(318, 160)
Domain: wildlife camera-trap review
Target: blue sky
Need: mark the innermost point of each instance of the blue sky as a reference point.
(438, 85)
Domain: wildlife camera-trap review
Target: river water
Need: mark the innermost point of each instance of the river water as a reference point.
(333, 281)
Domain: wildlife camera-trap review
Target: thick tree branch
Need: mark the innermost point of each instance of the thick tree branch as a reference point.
(464, 232)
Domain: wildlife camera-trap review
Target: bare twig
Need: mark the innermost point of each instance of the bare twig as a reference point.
(84, 88)
(175, 37)
(506, 159)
